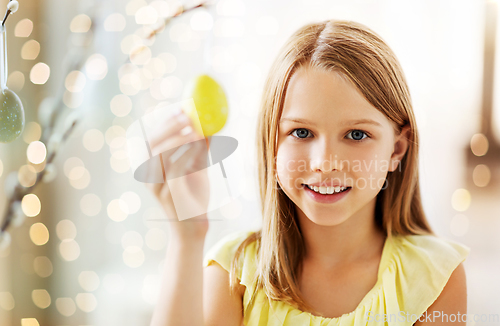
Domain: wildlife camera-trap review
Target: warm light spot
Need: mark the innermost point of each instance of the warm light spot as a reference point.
(115, 212)
(113, 283)
(115, 23)
(229, 27)
(479, 144)
(26, 175)
(82, 182)
(65, 306)
(180, 33)
(93, 140)
(121, 105)
(459, 225)
(32, 132)
(140, 55)
(24, 28)
(80, 24)
(65, 230)
(134, 5)
(31, 205)
(156, 239)
(96, 67)
(460, 200)
(164, 8)
(90, 204)
(114, 132)
(130, 202)
(76, 173)
(30, 50)
(75, 81)
(39, 234)
(169, 60)
(41, 298)
(69, 249)
(29, 322)
(43, 266)
(71, 163)
(40, 73)
(230, 8)
(89, 280)
(86, 302)
(132, 238)
(119, 161)
(133, 256)
(36, 152)
(16, 81)
(171, 87)
(7, 301)
(481, 175)
(129, 43)
(146, 16)
(73, 100)
(156, 67)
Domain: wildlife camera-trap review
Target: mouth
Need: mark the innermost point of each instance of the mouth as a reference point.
(327, 190)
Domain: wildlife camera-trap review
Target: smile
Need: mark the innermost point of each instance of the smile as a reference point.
(327, 195)
(327, 190)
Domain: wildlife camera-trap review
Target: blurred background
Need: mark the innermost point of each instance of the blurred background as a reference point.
(92, 247)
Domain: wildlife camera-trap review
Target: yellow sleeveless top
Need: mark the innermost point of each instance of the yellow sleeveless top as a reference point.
(413, 271)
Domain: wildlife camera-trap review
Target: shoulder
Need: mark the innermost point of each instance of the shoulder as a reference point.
(224, 249)
(425, 268)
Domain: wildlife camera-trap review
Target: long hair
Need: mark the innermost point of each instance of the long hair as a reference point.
(361, 56)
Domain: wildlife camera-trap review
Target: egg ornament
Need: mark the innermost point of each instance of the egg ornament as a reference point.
(11, 116)
(210, 105)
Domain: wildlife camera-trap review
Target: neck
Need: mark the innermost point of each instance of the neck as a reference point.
(355, 239)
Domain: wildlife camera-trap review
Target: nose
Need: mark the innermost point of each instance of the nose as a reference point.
(326, 160)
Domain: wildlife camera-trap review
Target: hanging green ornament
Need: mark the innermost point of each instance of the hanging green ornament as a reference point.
(11, 108)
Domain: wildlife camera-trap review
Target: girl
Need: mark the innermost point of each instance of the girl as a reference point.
(344, 239)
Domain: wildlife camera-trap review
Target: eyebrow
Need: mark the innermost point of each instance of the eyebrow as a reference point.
(347, 123)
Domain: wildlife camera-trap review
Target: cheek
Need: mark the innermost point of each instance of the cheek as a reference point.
(289, 161)
(371, 161)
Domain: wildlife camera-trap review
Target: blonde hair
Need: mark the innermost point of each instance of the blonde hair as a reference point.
(362, 57)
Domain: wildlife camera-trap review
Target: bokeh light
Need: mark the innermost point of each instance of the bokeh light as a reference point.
(66, 306)
(121, 105)
(119, 161)
(140, 55)
(43, 266)
(32, 132)
(39, 234)
(31, 205)
(86, 302)
(130, 202)
(80, 24)
(479, 144)
(96, 67)
(156, 239)
(7, 301)
(481, 175)
(30, 50)
(146, 16)
(41, 298)
(115, 23)
(16, 81)
(66, 229)
(40, 73)
(89, 281)
(36, 152)
(24, 28)
(83, 181)
(69, 249)
(93, 140)
(133, 256)
(201, 21)
(26, 175)
(73, 100)
(132, 238)
(75, 81)
(90, 204)
(29, 322)
(115, 211)
(460, 200)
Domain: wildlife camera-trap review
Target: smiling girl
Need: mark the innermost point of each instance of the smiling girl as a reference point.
(344, 238)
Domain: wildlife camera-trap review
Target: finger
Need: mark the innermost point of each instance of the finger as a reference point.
(166, 130)
(200, 157)
(180, 166)
(169, 145)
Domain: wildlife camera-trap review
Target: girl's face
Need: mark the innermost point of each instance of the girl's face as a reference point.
(330, 135)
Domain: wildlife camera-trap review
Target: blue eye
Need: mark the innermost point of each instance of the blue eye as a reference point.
(357, 135)
(300, 132)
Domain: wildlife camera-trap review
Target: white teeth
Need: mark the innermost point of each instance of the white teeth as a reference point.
(327, 190)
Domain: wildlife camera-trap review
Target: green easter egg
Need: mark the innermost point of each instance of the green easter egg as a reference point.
(211, 104)
(11, 116)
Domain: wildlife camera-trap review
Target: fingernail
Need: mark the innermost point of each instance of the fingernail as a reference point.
(176, 111)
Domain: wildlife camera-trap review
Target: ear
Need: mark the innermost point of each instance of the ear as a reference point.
(401, 144)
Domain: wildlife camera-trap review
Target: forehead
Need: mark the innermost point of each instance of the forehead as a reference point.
(326, 96)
